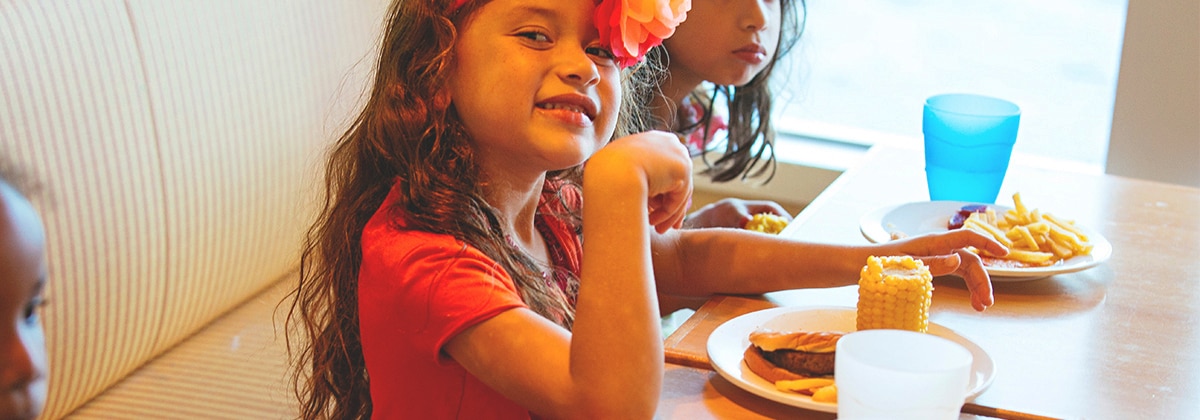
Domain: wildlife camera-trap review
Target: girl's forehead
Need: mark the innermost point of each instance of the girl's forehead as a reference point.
(460, 3)
(22, 238)
(576, 10)
(557, 17)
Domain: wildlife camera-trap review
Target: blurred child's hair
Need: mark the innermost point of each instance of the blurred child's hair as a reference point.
(408, 132)
(751, 136)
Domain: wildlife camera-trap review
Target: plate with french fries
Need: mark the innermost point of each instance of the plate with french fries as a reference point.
(1040, 243)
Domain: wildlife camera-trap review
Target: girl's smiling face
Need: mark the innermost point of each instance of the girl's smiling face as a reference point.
(532, 85)
(22, 278)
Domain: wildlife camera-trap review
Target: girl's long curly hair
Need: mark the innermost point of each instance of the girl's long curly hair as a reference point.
(751, 136)
(407, 133)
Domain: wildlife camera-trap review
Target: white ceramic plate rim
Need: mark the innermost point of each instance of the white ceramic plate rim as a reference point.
(922, 217)
(729, 340)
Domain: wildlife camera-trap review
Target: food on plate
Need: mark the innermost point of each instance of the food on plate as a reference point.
(821, 389)
(963, 213)
(894, 292)
(1034, 239)
(795, 361)
(766, 223)
(826, 394)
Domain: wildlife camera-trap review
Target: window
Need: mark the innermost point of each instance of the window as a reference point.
(863, 69)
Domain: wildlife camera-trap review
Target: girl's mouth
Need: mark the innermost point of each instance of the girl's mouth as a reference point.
(575, 109)
(751, 53)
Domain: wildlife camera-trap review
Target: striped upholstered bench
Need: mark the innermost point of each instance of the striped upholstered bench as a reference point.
(178, 147)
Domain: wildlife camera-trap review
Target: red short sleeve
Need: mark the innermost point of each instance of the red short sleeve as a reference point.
(416, 290)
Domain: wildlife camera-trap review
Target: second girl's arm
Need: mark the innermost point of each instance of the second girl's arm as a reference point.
(701, 262)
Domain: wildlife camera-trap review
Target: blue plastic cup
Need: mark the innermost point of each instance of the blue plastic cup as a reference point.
(968, 143)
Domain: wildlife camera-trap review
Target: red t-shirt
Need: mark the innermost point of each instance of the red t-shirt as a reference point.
(416, 291)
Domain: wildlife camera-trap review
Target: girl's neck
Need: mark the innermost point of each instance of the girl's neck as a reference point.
(676, 86)
(517, 202)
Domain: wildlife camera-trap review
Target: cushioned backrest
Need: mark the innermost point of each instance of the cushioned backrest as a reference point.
(178, 144)
(74, 114)
(246, 95)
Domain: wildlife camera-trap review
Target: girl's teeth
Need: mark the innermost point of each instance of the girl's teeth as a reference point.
(562, 106)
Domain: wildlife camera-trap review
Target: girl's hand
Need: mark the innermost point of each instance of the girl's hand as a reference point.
(733, 213)
(665, 167)
(943, 253)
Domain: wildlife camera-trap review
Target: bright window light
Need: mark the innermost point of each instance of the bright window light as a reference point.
(863, 69)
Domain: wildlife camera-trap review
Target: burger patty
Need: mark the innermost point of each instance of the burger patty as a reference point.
(805, 363)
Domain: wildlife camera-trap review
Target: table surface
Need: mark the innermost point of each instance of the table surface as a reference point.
(1119, 340)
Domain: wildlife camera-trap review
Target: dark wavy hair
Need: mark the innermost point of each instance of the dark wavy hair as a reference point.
(751, 135)
(407, 133)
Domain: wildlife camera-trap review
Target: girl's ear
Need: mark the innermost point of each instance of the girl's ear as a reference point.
(442, 99)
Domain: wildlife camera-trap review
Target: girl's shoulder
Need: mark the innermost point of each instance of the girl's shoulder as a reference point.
(387, 239)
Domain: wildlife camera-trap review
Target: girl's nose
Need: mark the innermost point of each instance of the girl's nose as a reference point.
(17, 367)
(578, 69)
(754, 18)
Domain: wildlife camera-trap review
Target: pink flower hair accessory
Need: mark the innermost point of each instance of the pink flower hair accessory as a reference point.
(632, 27)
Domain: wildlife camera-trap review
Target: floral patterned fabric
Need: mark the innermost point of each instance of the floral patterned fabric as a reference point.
(694, 138)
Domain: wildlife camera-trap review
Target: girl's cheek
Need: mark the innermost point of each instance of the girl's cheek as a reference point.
(33, 339)
(35, 343)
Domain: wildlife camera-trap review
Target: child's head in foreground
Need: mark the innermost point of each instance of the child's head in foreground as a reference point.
(23, 370)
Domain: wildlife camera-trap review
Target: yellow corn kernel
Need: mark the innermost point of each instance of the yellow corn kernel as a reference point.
(766, 223)
(894, 293)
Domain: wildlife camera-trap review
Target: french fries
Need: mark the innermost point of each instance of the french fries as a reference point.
(805, 384)
(1032, 237)
(821, 389)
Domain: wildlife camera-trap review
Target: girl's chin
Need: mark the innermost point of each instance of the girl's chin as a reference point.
(736, 78)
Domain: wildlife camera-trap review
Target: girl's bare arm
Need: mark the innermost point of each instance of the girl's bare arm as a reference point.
(701, 262)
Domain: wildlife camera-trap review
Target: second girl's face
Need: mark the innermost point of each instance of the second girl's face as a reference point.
(726, 42)
(22, 278)
(532, 85)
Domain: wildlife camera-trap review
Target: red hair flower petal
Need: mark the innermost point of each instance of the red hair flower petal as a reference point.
(632, 27)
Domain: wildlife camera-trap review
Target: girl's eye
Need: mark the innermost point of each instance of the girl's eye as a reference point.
(601, 52)
(534, 36)
(32, 309)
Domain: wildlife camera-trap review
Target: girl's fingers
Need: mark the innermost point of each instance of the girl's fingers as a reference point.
(979, 241)
(978, 282)
(941, 265)
(756, 207)
(967, 265)
(668, 210)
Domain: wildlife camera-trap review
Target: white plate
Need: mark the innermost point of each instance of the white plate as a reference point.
(933, 216)
(728, 342)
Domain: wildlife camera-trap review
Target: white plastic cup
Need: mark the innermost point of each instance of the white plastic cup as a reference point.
(900, 375)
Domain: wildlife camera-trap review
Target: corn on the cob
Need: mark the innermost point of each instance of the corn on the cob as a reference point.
(894, 293)
(766, 223)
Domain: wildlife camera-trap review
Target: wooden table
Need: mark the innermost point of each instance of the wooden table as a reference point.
(1118, 341)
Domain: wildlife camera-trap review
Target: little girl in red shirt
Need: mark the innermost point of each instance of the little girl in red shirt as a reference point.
(469, 264)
